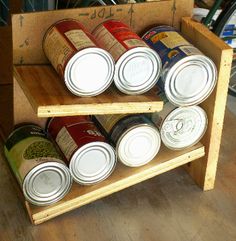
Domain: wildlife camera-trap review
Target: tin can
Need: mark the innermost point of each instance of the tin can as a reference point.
(188, 76)
(180, 127)
(137, 67)
(86, 68)
(38, 165)
(90, 158)
(136, 138)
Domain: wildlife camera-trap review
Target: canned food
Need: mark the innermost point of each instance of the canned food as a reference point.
(136, 138)
(137, 67)
(188, 76)
(180, 127)
(37, 165)
(87, 69)
(90, 158)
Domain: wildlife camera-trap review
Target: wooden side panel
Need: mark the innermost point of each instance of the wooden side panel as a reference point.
(29, 29)
(204, 170)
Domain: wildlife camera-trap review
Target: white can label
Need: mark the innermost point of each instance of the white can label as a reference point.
(66, 143)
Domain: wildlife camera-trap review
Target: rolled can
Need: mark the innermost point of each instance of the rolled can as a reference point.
(180, 127)
(136, 138)
(137, 67)
(38, 165)
(86, 68)
(188, 76)
(90, 158)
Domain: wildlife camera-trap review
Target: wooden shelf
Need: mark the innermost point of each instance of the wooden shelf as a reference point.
(49, 96)
(122, 177)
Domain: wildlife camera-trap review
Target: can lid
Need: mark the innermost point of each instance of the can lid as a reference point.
(138, 145)
(47, 183)
(89, 72)
(183, 127)
(93, 162)
(190, 81)
(137, 70)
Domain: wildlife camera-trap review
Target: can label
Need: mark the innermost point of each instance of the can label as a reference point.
(27, 147)
(117, 38)
(71, 133)
(63, 40)
(170, 46)
(116, 125)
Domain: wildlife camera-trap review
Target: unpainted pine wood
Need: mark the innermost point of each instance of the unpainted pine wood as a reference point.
(23, 111)
(204, 170)
(29, 29)
(48, 95)
(121, 178)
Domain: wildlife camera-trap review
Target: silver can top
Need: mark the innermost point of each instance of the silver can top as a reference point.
(137, 70)
(190, 81)
(138, 145)
(183, 127)
(92, 163)
(47, 183)
(89, 72)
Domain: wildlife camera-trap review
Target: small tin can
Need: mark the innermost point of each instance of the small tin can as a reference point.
(188, 76)
(137, 67)
(86, 68)
(180, 127)
(37, 165)
(136, 138)
(90, 158)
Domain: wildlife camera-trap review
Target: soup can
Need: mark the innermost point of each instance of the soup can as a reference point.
(188, 76)
(37, 165)
(90, 158)
(136, 138)
(86, 68)
(180, 127)
(137, 67)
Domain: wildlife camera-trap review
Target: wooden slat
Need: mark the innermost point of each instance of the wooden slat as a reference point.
(122, 177)
(49, 96)
(29, 29)
(204, 170)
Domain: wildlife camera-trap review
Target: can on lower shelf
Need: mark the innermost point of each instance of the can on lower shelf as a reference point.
(136, 138)
(86, 68)
(137, 67)
(37, 165)
(91, 159)
(180, 127)
(188, 76)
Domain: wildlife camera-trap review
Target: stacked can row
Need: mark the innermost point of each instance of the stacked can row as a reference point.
(89, 62)
(86, 148)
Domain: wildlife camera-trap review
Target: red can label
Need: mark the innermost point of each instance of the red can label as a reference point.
(117, 38)
(71, 133)
(63, 40)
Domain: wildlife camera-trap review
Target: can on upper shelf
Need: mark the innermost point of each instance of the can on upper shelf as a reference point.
(37, 165)
(136, 138)
(188, 76)
(180, 127)
(137, 67)
(90, 158)
(86, 68)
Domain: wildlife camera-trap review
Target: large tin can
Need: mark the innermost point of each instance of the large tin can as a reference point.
(180, 127)
(86, 68)
(136, 138)
(137, 67)
(188, 76)
(90, 158)
(37, 165)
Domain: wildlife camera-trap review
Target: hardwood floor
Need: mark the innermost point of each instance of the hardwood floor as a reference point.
(169, 207)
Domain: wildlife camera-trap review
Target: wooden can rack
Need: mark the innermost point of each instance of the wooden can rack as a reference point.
(35, 92)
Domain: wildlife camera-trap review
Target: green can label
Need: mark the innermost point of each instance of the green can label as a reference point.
(27, 147)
